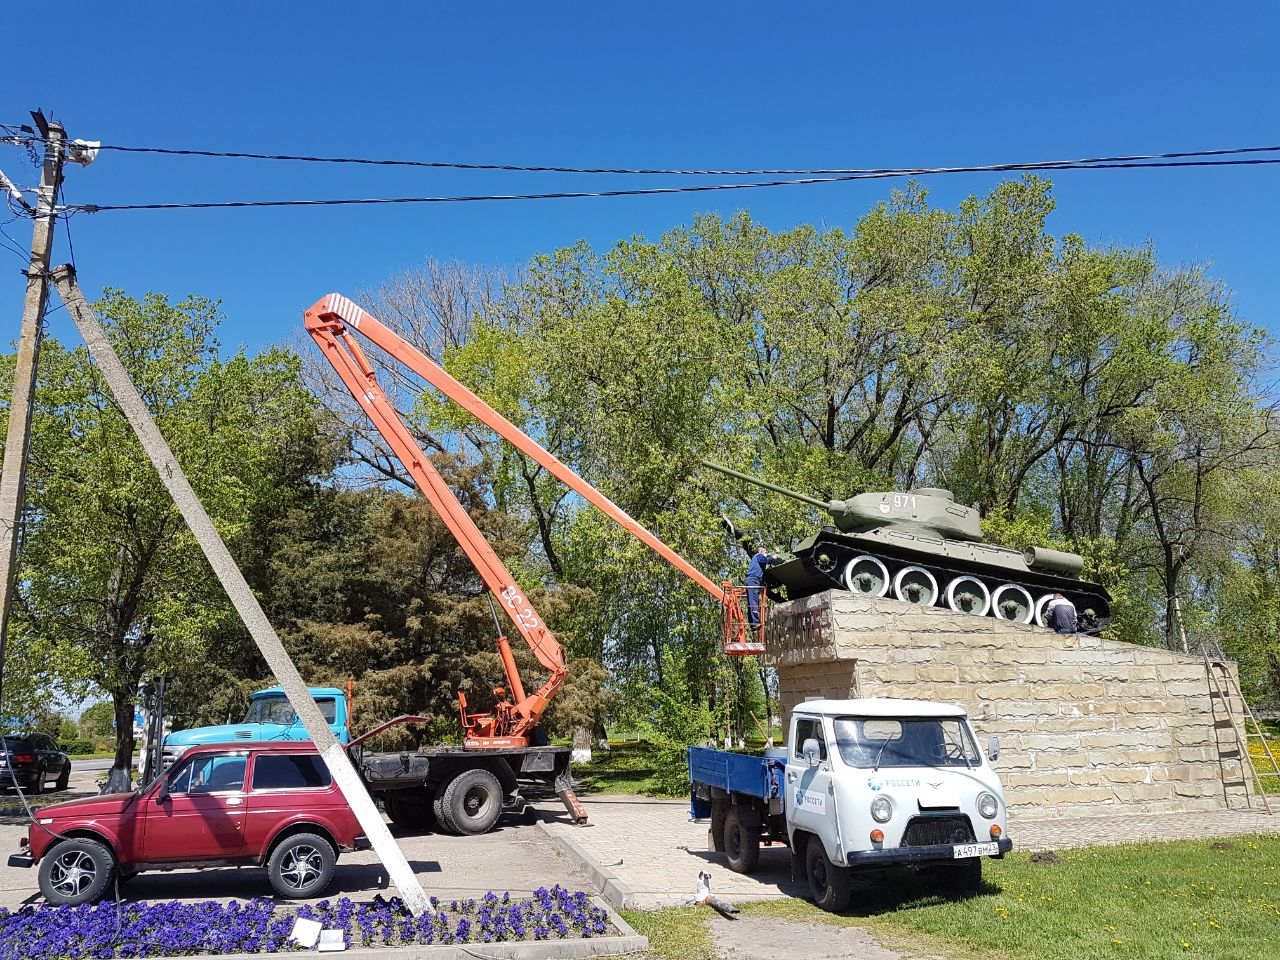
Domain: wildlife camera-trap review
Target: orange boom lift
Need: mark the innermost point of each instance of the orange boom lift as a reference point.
(332, 322)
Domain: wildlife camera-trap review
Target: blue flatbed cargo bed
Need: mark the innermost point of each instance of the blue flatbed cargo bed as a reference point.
(760, 777)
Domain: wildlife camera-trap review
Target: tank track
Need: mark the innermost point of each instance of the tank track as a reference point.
(1085, 595)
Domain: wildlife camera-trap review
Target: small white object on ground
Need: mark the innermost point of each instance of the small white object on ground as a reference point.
(331, 940)
(305, 932)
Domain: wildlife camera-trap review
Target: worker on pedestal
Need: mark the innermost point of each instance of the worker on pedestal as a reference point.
(1061, 614)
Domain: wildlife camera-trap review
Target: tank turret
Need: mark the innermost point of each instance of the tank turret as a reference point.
(922, 547)
(926, 509)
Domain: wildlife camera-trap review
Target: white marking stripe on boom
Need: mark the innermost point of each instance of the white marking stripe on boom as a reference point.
(347, 310)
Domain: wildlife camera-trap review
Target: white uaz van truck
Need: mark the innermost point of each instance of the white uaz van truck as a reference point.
(864, 785)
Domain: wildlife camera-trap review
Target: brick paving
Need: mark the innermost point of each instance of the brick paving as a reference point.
(646, 853)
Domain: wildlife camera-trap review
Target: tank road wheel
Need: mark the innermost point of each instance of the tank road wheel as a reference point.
(1012, 602)
(1042, 617)
(867, 575)
(968, 595)
(916, 585)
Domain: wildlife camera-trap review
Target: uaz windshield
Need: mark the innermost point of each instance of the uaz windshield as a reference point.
(901, 742)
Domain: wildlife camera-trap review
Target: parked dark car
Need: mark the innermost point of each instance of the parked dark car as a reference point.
(270, 805)
(31, 760)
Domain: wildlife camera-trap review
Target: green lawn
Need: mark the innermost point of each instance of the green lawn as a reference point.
(1258, 755)
(627, 767)
(1219, 901)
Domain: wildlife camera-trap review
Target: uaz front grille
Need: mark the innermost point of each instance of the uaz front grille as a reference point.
(927, 831)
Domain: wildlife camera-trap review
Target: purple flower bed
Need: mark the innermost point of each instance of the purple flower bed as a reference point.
(173, 928)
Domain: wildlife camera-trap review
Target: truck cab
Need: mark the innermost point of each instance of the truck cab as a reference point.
(874, 783)
(861, 785)
(269, 717)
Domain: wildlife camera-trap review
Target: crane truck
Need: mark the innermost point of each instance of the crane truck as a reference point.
(465, 788)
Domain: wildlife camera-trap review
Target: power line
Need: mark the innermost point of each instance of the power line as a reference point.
(522, 168)
(66, 223)
(694, 188)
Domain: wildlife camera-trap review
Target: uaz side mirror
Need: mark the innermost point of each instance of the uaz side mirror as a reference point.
(812, 752)
(163, 793)
(993, 749)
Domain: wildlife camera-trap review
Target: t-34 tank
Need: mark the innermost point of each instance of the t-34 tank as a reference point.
(922, 547)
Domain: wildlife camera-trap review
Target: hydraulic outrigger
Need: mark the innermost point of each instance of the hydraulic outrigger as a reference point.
(331, 323)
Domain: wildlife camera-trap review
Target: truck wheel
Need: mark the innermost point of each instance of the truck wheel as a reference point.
(411, 809)
(719, 811)
(742, 839)
(301, 866)
(440, 812)
(962, 876)
(473, 802)
(77, 871)
(828, 883)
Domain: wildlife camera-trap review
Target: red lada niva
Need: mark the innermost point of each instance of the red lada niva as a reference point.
(265, 804)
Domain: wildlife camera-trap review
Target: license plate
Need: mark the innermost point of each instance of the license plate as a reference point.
(962, 850)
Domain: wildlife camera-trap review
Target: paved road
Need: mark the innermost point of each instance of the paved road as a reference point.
(646, 853)
(80, 766)
(516, 858)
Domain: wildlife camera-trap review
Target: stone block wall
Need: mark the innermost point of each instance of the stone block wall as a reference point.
(1086, 725)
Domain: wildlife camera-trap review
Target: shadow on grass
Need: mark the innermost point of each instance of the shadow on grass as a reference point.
(872, 894)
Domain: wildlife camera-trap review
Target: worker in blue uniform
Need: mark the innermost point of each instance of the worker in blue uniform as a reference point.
(755, 583)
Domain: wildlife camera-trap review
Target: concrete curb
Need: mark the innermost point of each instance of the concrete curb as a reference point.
(629, 942)
(610, 885)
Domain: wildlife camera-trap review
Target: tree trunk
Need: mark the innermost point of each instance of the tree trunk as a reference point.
(120, 778)
(1174, 637)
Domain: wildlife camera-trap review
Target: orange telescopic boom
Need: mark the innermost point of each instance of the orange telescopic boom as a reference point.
(330, 323)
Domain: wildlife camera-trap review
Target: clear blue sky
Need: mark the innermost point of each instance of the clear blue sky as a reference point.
(656, 84)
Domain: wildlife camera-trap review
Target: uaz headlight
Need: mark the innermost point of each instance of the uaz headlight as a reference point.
(882, 809)
(988, 806)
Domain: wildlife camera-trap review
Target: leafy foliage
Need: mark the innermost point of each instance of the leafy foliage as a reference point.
(1085, 398)
(114, 590)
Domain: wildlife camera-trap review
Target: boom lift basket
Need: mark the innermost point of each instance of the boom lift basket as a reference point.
(740, 639)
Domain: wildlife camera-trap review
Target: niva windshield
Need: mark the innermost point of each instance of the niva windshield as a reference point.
(901, 742)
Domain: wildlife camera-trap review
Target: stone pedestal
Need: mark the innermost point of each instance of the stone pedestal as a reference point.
(1086, 725)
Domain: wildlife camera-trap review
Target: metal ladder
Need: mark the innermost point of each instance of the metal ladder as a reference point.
(1223, 687)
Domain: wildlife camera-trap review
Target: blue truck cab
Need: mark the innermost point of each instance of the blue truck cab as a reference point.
(269, 717)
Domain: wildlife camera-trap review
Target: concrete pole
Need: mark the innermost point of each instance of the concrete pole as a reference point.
(242, 598)
(13, 474)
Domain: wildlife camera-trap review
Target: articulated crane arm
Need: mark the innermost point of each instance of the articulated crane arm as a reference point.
(330, 323)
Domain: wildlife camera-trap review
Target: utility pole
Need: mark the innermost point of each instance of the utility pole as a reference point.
(241, 595)
(13, 479)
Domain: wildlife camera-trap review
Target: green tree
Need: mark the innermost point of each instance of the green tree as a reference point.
(97, 721)
(114, 589)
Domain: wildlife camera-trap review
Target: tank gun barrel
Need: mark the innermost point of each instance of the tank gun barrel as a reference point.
(820, 504)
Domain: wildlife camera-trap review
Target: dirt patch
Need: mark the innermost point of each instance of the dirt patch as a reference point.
(1045, 856)
(762, 938)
